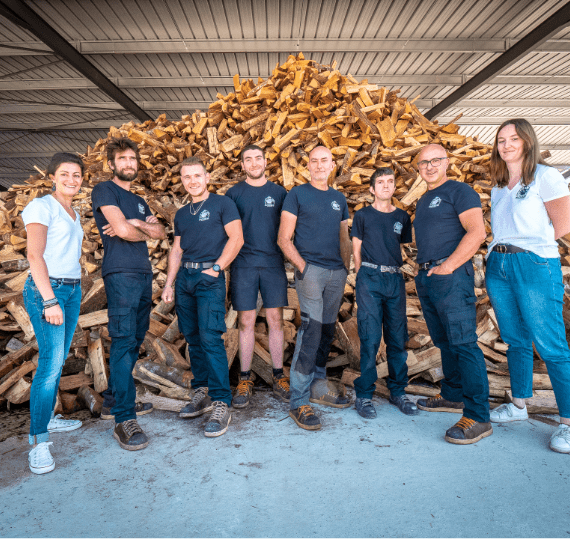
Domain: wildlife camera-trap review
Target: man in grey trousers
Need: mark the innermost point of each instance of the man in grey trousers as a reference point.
(318, 217)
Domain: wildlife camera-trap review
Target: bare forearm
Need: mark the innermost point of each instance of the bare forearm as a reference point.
(129, 232)
(231, 250)
(345, 249)
(174, 261)
(357, 261)
(465, 250)
(291, 253)
(154, 231)
(40, 275)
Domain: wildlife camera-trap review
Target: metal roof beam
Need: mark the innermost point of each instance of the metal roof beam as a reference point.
(285, 45)
(498, 120)
(19, 13)
(227, 82)
(533, 39)
(44, 108)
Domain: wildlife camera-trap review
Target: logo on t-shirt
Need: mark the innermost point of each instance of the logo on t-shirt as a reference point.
(204, 216)
(335, 205)
(435, 202)
(523, 191)
(269, 202)
(398, 227)
(141, 208)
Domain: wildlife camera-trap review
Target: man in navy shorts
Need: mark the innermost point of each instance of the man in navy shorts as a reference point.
(377, 232)
(259, 267)
(317, 215)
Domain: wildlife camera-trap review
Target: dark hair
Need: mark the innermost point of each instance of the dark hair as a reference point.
(63, 157)
(120, 144)
(192, 161)
(531, 154)
(250, 147)
(382, 171)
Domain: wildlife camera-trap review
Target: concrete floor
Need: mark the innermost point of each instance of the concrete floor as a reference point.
(393, 476)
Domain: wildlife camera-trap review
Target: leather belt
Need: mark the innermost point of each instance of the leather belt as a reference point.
(63, 280)
(508, 249)
(198, 265)
(384, 269)
(432, 263)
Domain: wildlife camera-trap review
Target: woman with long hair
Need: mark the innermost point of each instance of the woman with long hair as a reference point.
(52, 297)
(530, 210)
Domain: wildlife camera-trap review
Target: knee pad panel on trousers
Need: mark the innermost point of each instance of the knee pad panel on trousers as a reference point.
(310, 340)
(327, 336)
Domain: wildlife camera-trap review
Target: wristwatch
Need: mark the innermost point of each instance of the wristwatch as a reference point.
(216, 267)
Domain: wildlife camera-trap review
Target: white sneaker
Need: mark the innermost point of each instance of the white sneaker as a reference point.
(560, 440)
(59, 424)
(40, 459)
(507, 413)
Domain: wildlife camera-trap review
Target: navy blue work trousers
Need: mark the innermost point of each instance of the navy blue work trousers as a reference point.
(448, 305)
(381, 300)
(201, 309)
(129, 301)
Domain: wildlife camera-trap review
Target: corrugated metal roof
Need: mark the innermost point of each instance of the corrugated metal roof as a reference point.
(426, 47)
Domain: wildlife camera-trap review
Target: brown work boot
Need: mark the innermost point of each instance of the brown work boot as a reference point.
(439, 404)
(281, 388)
(130, 436)
(468, 431)
(329, 394)
(243, 393)
(305, 417)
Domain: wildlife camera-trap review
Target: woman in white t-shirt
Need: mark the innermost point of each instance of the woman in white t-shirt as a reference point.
(530, 210)
(52, 296)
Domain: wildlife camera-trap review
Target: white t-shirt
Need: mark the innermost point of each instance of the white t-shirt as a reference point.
(519, 216)
(64, 236)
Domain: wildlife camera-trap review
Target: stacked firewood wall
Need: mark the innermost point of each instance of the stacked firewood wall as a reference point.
(302, 105)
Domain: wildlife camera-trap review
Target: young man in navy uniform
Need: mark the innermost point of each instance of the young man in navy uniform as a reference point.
(449, 229)
(318, 217)
(125, 223)
(207, 237)
(377, 232)
(259, 267)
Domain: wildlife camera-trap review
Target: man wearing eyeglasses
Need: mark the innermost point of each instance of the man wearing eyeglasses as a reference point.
(449, 229)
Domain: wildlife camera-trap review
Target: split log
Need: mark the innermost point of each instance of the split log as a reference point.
(97, 364)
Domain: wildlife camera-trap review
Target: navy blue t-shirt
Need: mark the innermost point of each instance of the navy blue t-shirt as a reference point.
(381, 234)
(121, 256)
(437, 225)
(317, 232)
(203, 236)
(260, 211)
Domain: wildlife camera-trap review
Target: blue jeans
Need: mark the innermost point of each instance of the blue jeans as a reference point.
(381, 300)
(320, 292)
(53, 343)
(129, 301)
(526, 292)
(201, 309)
(448, 305)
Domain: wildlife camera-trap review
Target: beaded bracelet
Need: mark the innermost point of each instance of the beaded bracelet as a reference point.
(50, 303)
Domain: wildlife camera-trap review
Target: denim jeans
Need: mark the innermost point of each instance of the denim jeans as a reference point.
(201, 309)
(320, 292)
(381, 300)
(526, 292)
(448, 305)
(53, 343)
(129, 301)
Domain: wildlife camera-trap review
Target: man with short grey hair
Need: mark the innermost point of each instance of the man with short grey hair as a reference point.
(318, 216)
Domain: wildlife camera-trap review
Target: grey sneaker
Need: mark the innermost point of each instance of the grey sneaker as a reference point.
(200, 404)
(404, 404)
(365, 408)
(329, 394)
(219, 420)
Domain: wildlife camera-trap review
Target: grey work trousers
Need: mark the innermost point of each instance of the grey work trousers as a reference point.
(320, 293)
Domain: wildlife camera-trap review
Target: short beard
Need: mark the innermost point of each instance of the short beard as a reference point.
(252, 177)
(125, 177)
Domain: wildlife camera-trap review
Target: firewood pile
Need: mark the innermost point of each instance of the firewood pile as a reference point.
(303, 104)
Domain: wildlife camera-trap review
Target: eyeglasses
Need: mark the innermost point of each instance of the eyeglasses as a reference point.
(435, 162)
